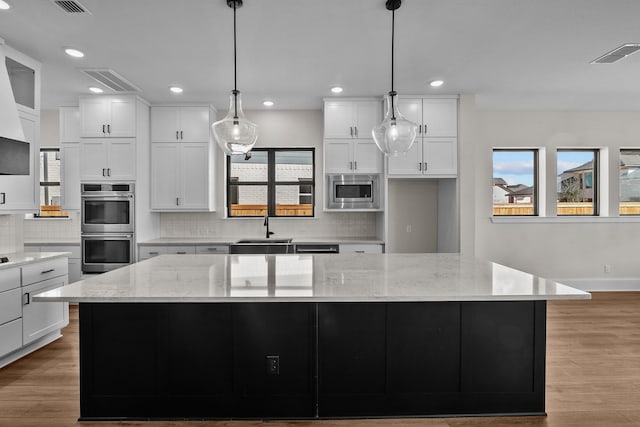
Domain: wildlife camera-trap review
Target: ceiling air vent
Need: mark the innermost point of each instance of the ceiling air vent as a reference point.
(617, 53)
(112, 80)
(71, 6)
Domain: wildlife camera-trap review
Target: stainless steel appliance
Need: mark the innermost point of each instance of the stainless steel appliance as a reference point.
(105, 252)
(107, 226)
(107, 208)
(353, 192)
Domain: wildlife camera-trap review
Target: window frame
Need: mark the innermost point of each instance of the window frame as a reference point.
(536, 180)
(271, 183)
(595, 180)
(46, 184)
(620, 201)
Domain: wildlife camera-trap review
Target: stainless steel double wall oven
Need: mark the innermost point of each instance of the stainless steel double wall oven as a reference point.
(107, 227)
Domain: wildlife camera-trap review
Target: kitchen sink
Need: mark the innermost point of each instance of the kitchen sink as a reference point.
(265, 241)
(262, 246)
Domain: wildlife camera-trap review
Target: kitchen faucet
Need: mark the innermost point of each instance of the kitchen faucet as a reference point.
(266, 224)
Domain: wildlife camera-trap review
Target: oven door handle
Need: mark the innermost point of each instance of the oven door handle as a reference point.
(107, 198)
(105, 236)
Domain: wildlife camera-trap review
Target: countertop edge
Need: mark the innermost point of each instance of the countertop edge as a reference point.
(25, 258)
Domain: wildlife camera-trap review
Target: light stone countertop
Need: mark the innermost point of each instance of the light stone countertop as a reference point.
(312, 278)
(17, 259)
(227, 240)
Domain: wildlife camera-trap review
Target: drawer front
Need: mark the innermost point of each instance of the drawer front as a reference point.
(74, 249)
(10, 305)
(44, 270)
(150, 251)
(181, 250)
(10, 337)
(213, 249)
(9, 279)
(361, 248)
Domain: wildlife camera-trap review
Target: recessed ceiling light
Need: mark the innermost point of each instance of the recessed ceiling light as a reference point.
(176, 89)
(336, 89)
(436, 83)
(267, 103)
(74, 52)
(4, 5)
(95, 89)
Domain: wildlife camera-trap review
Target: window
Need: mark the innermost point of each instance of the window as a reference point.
(277, 182)
(50, 183)
(515, 181)
(577, 174)
(630, 182)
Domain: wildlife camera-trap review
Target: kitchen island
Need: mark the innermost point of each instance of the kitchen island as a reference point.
(312, 336)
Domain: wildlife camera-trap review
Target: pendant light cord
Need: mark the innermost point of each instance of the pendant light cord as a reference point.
(393, 33)
(235, 64)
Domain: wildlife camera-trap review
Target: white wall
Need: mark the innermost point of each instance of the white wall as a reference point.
(11, 234)
(556, 250)
(276, 128)
(413, 216)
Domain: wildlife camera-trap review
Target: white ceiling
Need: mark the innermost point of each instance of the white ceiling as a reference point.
(513, 54)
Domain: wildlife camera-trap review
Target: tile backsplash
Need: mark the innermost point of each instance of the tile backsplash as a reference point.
(53, 230)
(11, 232)
(362, 224)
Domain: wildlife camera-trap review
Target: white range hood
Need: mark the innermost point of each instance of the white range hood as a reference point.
(14, 150)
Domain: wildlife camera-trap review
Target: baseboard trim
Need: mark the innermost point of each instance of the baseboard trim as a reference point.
(29, 348)
(618, 284)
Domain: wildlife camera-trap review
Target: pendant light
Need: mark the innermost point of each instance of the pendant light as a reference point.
(235, 134)
(395, 135)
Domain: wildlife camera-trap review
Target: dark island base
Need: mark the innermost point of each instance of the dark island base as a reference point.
(311, 360)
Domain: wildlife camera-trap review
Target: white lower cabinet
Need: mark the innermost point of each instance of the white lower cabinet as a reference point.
(150, 251)
(41, 318)
(22, 321)
(10, 337)
(361, 248)
(74, 263)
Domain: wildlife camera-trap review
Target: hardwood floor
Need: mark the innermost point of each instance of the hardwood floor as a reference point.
(593, 377)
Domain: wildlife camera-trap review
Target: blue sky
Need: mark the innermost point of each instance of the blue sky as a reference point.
(516, 167)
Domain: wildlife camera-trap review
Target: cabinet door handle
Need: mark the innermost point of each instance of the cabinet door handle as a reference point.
(3, 198)
(181, 137)
(350, 165)
(181, 253)
(355, 165)
(154, 253)
(51, 270)
(26, 298)
(109, 171)
(177, 135)
(351, 130)
(420, 129)
(103, 169)
(103, 129)
(356, 130)
(177, 201)
(109, 129)
(425, 129)
(359, 252)
(425, 166)
(420, 166)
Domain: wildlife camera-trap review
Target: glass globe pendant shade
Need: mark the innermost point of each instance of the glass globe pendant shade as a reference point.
(235, 134)
(395, 135)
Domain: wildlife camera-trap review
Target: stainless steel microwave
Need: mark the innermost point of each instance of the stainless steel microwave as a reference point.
(353, 192)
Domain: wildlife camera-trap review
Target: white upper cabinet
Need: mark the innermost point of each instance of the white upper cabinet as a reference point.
(351, 118)
(180, 124)
(108, 159)
(435, 117)
(19, 193)
(349, 156)
(108, 116)
(69, 124)
(180, 179)
(435, 151)
(182, 158)
(439, 117)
